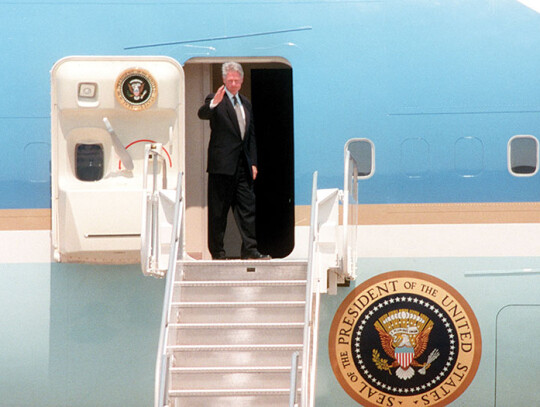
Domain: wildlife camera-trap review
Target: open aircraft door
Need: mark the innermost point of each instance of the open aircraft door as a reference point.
(104, 111)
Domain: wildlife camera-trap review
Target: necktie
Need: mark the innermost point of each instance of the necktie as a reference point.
(239, 116)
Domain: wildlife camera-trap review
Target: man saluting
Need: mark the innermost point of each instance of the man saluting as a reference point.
(232, 164)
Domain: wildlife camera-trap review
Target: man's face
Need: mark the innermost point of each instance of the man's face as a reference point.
(233, 81)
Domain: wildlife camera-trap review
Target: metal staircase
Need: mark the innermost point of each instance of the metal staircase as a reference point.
(233, 328)
(233, 332)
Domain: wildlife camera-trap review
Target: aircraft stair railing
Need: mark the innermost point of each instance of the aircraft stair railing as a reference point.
(164, 359)
(163, 212)
(335, 255)
(350, 217)
(159, 204)
(331, 260)
(359, 165)
(327, 255)
(311, 316)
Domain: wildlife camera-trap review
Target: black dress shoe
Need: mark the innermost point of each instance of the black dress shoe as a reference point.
(256, 256)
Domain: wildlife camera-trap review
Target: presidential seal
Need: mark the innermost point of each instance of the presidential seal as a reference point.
(404, 338)
(136, 89)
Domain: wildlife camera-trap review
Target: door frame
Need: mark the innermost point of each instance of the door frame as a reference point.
(201, 78)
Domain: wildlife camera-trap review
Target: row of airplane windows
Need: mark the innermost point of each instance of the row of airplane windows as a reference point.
(522, 156)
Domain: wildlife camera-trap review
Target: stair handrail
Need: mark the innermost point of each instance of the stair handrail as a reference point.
(350, 216)
(346, 266)
(155, 202)
(176, 253)
(311, 321)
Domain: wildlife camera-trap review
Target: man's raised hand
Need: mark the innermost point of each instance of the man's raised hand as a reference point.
(218, 97)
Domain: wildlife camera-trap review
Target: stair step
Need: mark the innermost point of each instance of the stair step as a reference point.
(240, 335)
(274, 400)
(225, 348)
(238, 357)
(243, 270)
(229, 369)
(239, 314)
(229, 392)
(231, 291)
(230, 380)
(237, 304)
(240, 283)
(239, 325)
(240, 263)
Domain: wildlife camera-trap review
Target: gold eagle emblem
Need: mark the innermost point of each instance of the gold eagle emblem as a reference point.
(404, 336)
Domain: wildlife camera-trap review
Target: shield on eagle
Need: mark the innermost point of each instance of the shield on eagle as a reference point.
(404, 335)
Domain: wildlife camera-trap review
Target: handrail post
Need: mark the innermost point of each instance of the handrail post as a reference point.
(346, 215)
(164, 385)
(154, 248)
(294, 379)
(151, 255)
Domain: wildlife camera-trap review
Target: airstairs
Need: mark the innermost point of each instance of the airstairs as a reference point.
(234, 329)
(243, 333)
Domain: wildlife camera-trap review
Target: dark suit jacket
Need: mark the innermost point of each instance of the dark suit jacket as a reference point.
(226, 143)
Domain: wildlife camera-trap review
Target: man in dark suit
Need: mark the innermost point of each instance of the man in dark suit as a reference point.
(232, 164)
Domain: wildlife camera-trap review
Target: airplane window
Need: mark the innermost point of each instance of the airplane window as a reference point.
(362, 152)
(36, 169)
(415, 161)
(469, 156)
(89, 162)
(523, 155)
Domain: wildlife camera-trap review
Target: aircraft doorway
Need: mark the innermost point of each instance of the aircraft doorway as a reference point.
(268, 83)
